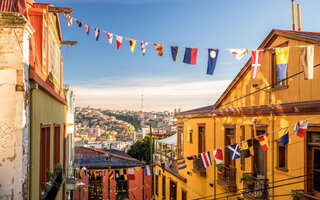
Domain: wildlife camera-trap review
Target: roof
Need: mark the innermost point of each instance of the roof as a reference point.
(303, 36)
(172, 140)
(95, 158)
(198, 112)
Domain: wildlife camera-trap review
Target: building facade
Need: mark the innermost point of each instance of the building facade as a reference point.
(250, 108)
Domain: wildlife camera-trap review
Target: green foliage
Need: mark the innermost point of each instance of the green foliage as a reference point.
(296, 195)
(245, 177)
(130, 119)
(141, 150)
(49, 175)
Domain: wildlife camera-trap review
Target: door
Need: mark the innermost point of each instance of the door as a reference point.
(313, 161)
(173, 190)
(95, 190)
(316, 170)
(260, 157)
(163, 187)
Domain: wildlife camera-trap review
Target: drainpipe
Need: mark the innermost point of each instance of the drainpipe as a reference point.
(272, 155)
(215, 167)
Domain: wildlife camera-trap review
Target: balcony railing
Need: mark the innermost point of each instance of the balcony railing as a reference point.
(227, 177)
(198, 168)
(52, 191)
(255, 187)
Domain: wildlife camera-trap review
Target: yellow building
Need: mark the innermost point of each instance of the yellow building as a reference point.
(247, 109)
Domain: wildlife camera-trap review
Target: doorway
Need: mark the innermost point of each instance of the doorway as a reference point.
(313, 160)
(173, 190)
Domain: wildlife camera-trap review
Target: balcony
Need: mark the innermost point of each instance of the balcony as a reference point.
(255, 187)
(52, 191)
(198, 168)
(227, 177)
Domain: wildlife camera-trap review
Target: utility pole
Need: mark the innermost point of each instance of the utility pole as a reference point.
(142, 183)
(151, 148)
(109, 160)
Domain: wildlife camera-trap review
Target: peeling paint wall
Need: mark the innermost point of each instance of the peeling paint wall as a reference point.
(14, 105)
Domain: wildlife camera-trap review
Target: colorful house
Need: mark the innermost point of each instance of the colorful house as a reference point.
(92, 167)
(247, 111)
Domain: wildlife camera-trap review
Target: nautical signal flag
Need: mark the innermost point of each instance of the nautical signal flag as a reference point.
(205, 159)
(148, 170)
(218, 156)
(69, 20)
(80, 174)
(212, 60)
(144, 47)
(132, 44)
(137, 168)
(282, 57)
(256, 59)
(79, 23)
(97, 34)
(111, 174)
(131, 174)
(159, 49)
(301, 128)
(238, 53)
(110, 36)
(119, 41)
(264, 140)
(306, 59)
(87, 28)
(284, 136)
(190, 56)
(193, 157)
(181, 163)
(123, 174)
(117, 175)
(174, 53)
(247, 149)
(234, 151)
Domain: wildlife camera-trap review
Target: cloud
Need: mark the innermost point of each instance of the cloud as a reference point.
(159, 93)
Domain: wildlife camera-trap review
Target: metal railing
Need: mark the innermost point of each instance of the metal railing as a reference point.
(255, 187)
(197, 166)
(227, 175)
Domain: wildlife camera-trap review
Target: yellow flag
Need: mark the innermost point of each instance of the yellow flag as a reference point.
(137, 168)
(132, 44)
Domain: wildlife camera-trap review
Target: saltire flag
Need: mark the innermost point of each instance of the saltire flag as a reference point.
(218, 156)
(193, 157)
(148, 170)
(284, 136)
(181, 163)
(143, 47)
(110, 36)
(190, 56)
(238, 53)
(306, 59)
(69, 20)
(256, 59)
(282, 57)
(247, 149)
(264, 141)
(301, 128)
(116, 175)
(119, 41)
(175, 52)
(159, 49)
(131, 174)
(79, 23)
(97, 34)
(205, 159)
(111, 174)
(212, 60)
(234, 151)
(132, 44)
(87, 28)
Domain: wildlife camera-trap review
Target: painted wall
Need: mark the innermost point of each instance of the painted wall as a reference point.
(14, 105)
(44, 110)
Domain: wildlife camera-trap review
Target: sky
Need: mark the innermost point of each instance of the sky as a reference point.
(102, 76)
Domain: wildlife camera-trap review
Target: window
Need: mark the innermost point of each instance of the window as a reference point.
(242, 138)
(163, 187)
(229, 139)
(56, 154)
(259, 159)
(183, 194)
(157, 185)
(282, 156)
(202, 139)
(190, 135)
(180, 140)
(122, 189)
(44, 153)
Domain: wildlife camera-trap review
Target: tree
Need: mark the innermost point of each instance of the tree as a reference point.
(141, 150)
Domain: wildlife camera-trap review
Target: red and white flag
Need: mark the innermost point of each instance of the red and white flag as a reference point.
(110, 36)
(87, 28)
(131, 174)
(301, 128)
(119, 41)
(69, 20)
(256, 60)
(238, 53)
(205, 159)
(218, 156)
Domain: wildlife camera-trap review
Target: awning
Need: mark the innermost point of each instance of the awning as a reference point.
(172, 140)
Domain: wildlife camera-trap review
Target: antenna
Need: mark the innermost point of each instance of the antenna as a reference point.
(142, 115)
